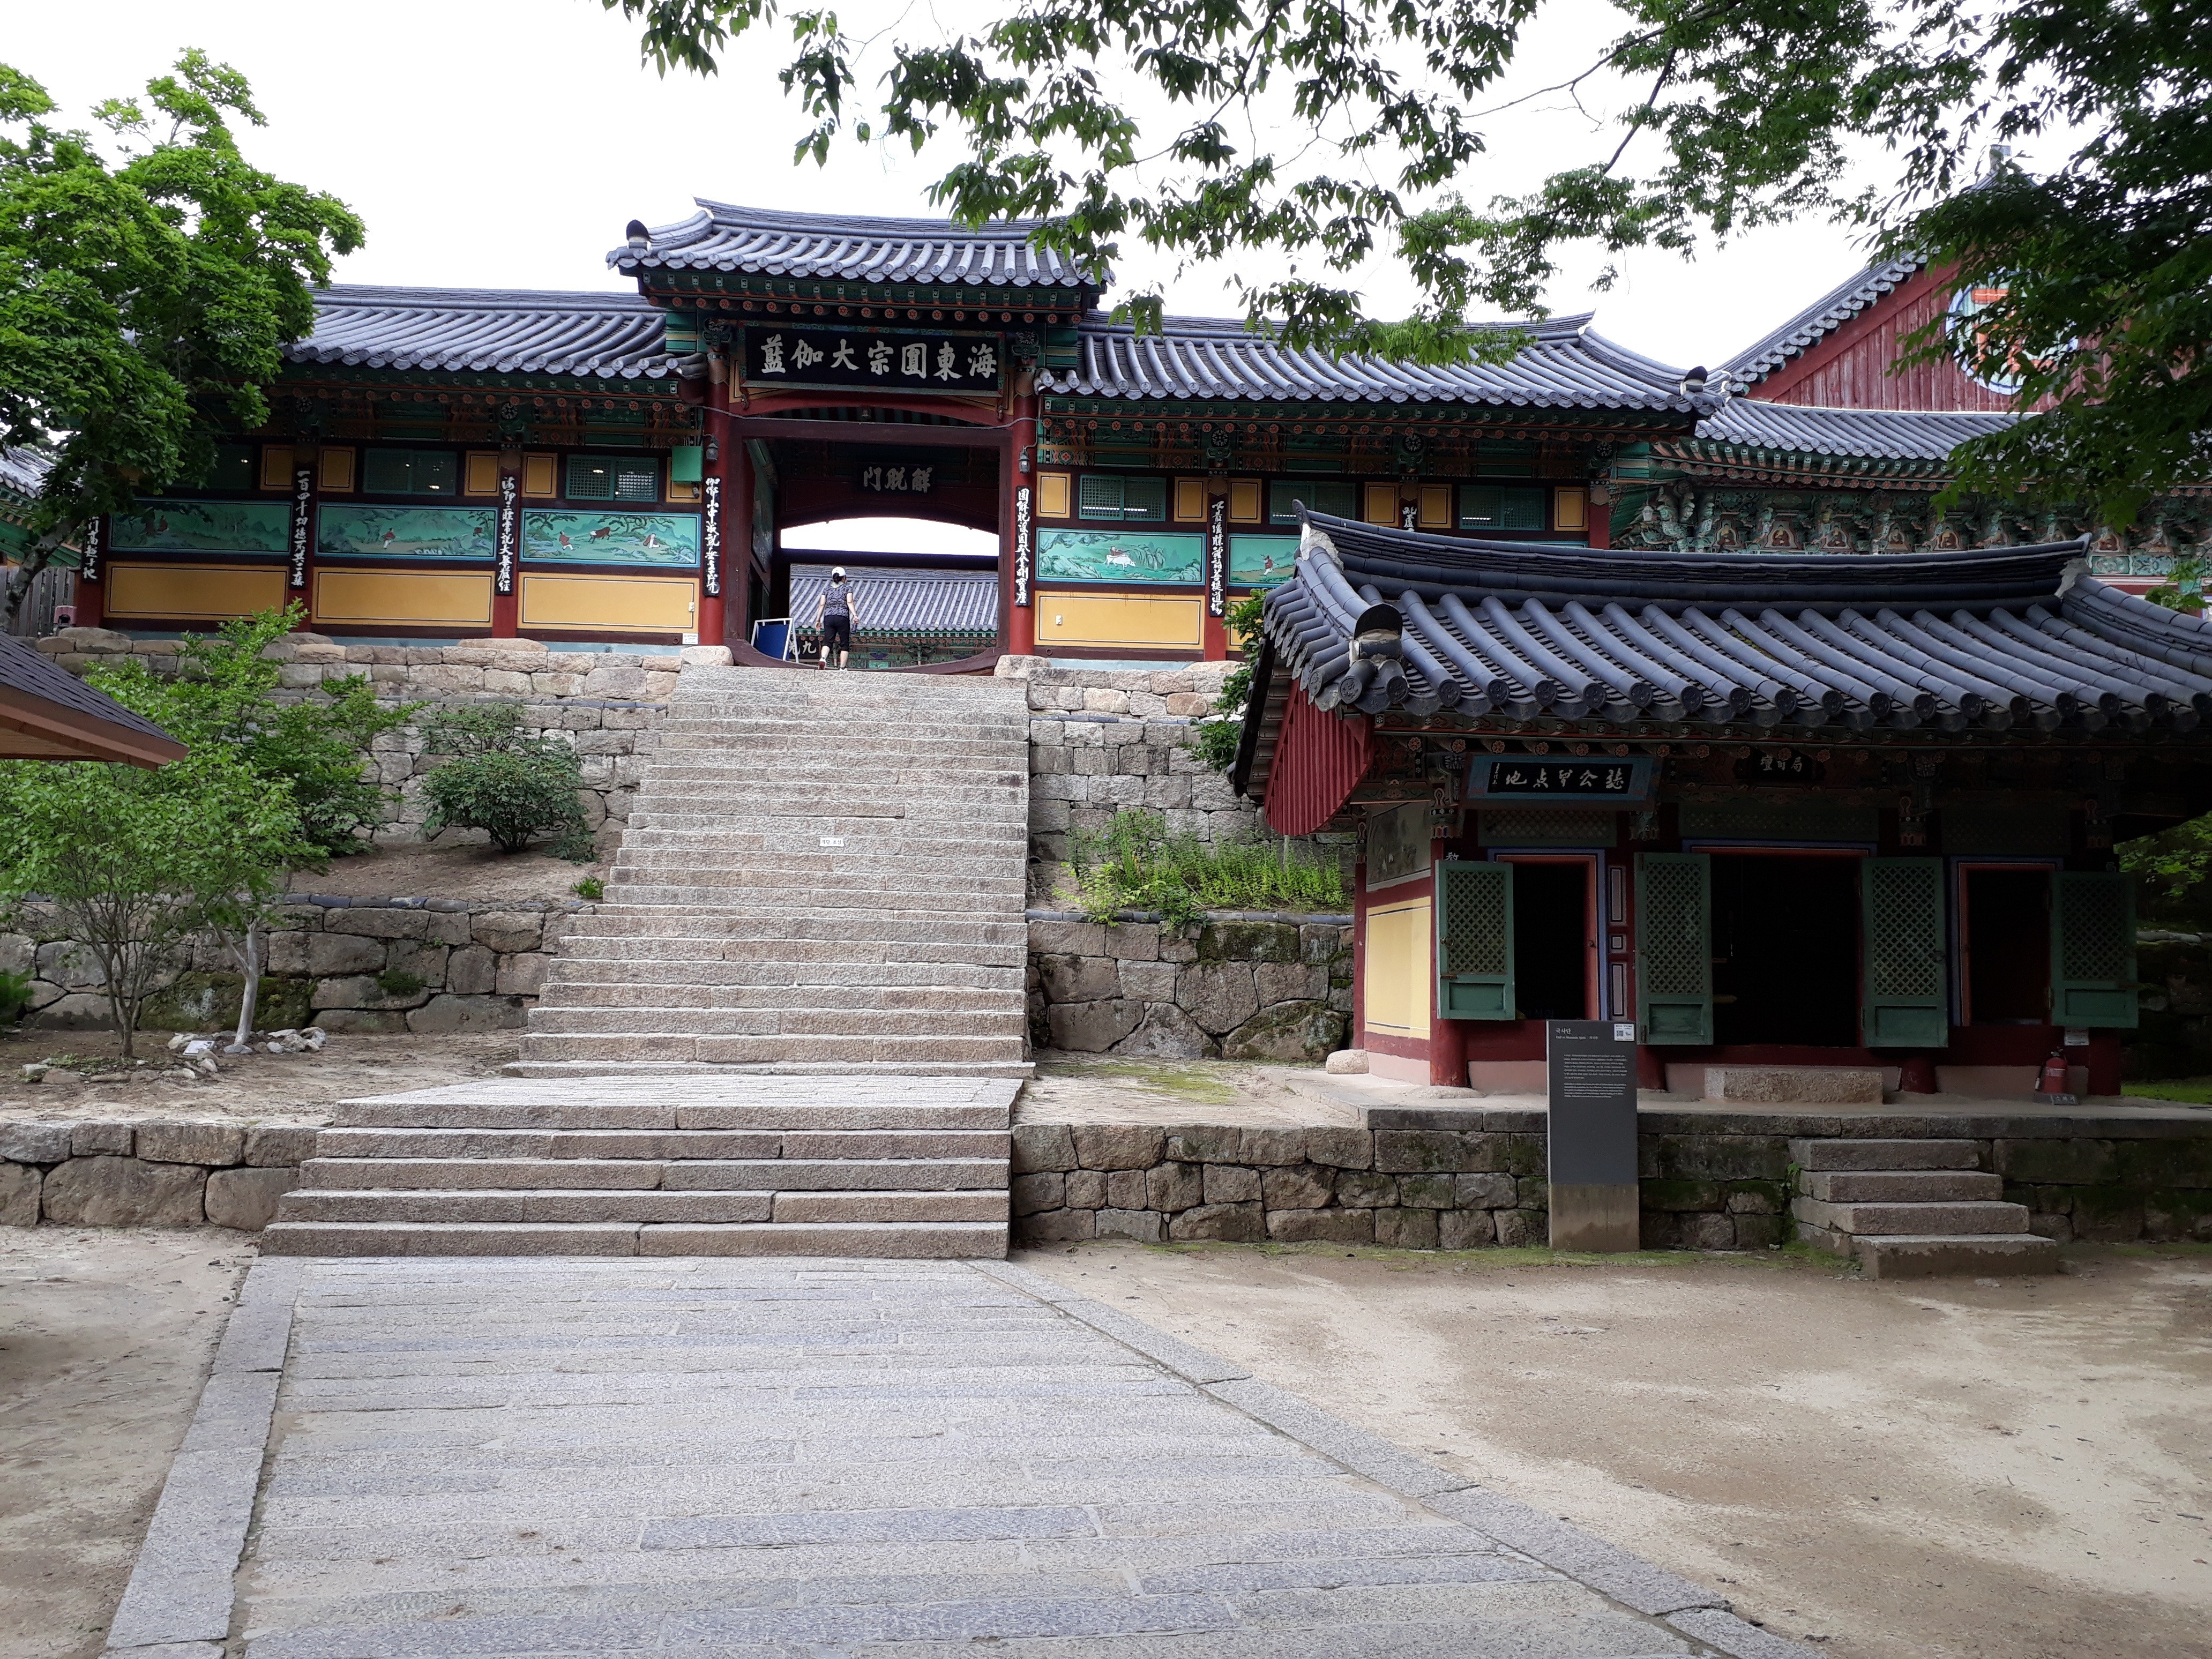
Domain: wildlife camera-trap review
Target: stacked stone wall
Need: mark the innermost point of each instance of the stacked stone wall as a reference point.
(1236, 987)
(349, 965)
(147, 1172)
(1466, 1180)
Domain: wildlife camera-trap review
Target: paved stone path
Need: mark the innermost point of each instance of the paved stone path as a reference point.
(813, 1459)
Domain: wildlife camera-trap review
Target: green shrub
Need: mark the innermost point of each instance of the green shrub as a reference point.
(399, 982)
(1136, 863)
(15, 996)
(514, 789)
(590, 887)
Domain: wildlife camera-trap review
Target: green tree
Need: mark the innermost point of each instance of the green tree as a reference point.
(513, 787)
(137, 861)
(317, 748)
(1744, 113)
(145, 303)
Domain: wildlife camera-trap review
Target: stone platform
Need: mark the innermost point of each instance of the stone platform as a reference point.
(767, 1460)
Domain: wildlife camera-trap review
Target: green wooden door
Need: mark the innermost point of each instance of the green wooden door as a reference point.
(2092, 950)
(1674, 947)
(1904, 986)
(1474, 940)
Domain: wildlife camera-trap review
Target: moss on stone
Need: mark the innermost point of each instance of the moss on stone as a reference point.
(208, 1002)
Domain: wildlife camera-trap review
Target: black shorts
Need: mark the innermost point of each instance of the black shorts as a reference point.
(836, 633)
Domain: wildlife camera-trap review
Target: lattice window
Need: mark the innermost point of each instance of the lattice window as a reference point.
(1674, 959)
(1905, 928)
(1476, 918)
(1546, 826)
(2093, 931)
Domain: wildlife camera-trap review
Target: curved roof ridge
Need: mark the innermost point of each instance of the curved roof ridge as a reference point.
(774, 241)
(479, 299)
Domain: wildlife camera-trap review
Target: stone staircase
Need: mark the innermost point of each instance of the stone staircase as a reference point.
(824, 873)
(739, 1164)
(1910, 1209)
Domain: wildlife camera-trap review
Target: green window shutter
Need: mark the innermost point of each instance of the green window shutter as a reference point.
(686, 464)
(1493, 507)
(1099, 498)
(1674, 947)
(2092, 950)
(1144, 498)
(1907, 996)
(1474, 940)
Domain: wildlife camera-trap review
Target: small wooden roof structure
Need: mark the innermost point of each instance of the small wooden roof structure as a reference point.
(47, 714)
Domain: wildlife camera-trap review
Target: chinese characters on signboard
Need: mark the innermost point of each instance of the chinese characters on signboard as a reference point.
(1581, 780)
(502, 580)
(303, 525)
(1022, 545)
(710, 534)
(1217, 556)
(897, 480)
(87, 568)
(814, 356)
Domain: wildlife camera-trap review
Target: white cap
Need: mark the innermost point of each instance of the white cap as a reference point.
(837, 573)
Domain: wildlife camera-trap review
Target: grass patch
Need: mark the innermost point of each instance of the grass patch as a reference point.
(2187, 1090)
(1190, 1083)
(1136, 863)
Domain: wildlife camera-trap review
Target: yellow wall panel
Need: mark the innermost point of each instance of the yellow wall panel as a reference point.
(336, 470)
(1052, 494)
(1174, 622)
(538, 475)
(199, 591)
(610, 604)
(1381, 504)
(480, 473)
(414, 598)
(1190, 501)
(275, 466)
(1570, 509)
(1435, 507)
(1400, 986)
(1244, 501)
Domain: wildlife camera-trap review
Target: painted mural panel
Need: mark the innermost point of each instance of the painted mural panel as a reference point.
(665, 538)
(1123, 557)
(1261, 561)
(178, 526)
(407, 532)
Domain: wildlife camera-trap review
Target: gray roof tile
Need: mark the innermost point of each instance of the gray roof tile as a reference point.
(23, 473)
(23, 669)
(605, 336)
(1821, 319)
(1565, 366)
(1889, 435)
(920, 251)
(909, 604)
(1992, 638)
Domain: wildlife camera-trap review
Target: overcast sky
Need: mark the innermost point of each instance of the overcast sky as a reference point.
(504, 143)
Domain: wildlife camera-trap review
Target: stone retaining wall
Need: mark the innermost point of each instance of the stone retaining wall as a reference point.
(1236, 987)
(1461, 1180)
(150, 1172)
(349, 965)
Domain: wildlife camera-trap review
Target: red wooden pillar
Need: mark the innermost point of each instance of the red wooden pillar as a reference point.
(1216, 634)
(507, 580)
(90, 593)
(1018, 531)
(1597, 512)
(732, 464)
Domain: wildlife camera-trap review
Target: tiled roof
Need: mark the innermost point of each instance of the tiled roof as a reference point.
(921, 252)
(1821, 318)
(904, 604)
(23, 473)
(1992, 638)
(23, 669)
(1889, 435)
(1565, 366)
(608, 336)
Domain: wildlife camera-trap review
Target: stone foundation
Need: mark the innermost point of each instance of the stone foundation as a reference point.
(149, 1172)
(1239, 986)
(1463, 1180)
(349, 965)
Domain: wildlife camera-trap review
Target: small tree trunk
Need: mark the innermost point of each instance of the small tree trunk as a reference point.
(36, 558)
(249, 994)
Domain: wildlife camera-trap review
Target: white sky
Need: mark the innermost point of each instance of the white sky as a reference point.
(505, 143)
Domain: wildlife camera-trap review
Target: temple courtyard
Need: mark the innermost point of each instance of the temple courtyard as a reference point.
(1102, 1450)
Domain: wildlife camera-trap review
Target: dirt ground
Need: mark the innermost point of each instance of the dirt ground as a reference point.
(264, 1088)
(105, 1340)
(1975, 1469)
(479, 874)
(1071, 1087)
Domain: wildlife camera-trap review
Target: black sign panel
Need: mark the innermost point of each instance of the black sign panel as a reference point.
(1592, 1065)
(303, 525)
(503, 570)
(1783, 765)
(860, 357)
(897, 477)
(710, 535)
(1598, 778)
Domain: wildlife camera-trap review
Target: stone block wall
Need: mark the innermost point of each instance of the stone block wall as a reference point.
(375, 965)
(152, 1172)
(1236, 987)
(1467, 1179)
(607, 706)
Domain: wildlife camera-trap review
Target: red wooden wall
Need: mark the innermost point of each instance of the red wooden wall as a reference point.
(1849, 369)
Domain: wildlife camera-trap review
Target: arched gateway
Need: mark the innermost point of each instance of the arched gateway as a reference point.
(450, 464)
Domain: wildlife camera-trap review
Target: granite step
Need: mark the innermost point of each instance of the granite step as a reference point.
(660, 1146)
(1922, 1256)
(590, 1205)
(1848, 1154)
(1901, 1186)
(1006, 1019)
(943, 1240)
(991, 1055)
(613, 1114)
(1862, 1220)
(769, 1174)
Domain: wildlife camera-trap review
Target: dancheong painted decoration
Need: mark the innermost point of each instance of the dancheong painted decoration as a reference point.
(659, 538)
(175, 527)
(408, 533)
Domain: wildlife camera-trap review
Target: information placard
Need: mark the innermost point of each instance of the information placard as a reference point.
(1592, 1133)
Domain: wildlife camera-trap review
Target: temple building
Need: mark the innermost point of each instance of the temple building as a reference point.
(1812, 810)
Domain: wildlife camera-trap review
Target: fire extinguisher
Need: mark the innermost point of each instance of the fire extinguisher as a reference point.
(2052, 1079)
